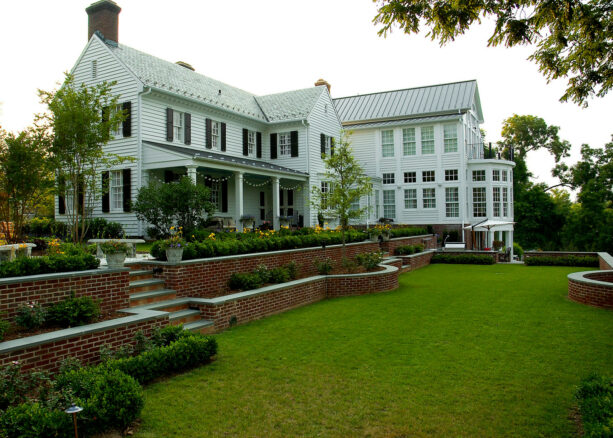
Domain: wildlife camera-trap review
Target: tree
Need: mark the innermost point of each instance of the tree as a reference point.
(26, 178)
(348, 184)
(181, 203)
(81, 119)
(573, 38)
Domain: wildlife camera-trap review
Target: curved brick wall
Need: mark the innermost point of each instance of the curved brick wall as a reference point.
(594, 288)
(360, 284)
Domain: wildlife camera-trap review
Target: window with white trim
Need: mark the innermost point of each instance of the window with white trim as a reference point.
(215, 135)
(377, 203)
(355, 205)
(251, 143)
(410, 198)
(285, 144)
(479, 202)
(178, 123)
(409, 142)
(496, 201)
(387, 143)
(504, 175)
(389, 178)
(116, 190)
(428, 176)
(328, 145)
(450, 138)
(325, 191)
(117, 130)
(495, 175)
(427, 140)
(389, 204)
(410, 177)
(452, 202)
(451, 174)
(429, 198)
(478, 175)
(215, 190)
(505, 201)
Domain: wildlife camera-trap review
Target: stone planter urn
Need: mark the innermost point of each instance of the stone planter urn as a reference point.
(174, 255)
(374, 237)
(115, 260)
(385, 236)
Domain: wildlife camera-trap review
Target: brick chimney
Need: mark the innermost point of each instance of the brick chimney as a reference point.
(103, 16)
(321, 81)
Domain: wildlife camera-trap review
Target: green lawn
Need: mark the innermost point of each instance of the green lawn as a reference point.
(455, 351)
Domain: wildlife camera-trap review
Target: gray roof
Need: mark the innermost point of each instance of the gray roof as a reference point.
(181, 81)
(431, 100)
(200, 154)
(407, 121)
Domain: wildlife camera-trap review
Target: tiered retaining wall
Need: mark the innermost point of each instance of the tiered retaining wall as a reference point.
(592, 287)
(111, 286)
(605, 261)
(428, 241)
(416, 261)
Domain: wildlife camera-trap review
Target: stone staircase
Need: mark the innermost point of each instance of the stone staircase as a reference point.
(150, 293)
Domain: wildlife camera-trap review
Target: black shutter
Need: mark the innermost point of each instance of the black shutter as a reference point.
(105, 193)
(258, 138)
(290, 197)
(281, 196)
(208, 134)
(188, 128)
(294, 140)
(273, 146)
(224, 196)
(323, 143)
(332, 143)
(127, 190)
(245, 142)
(61, 191)
(223, 137)
(127, 123)
(169, 120)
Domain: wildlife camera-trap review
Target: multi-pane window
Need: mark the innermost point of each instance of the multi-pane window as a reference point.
(451, 174)
(450, 138)
(479, 202)
(452, 202)
(428, 176)
(117, 130)
(377, 203)
(387, 143)
(429, 198)
(327, 145)
(389, 178)
(410, 198)
(495, 175)
(496, 201)
(478, 175)
(177, 125)
(251, 142)
(427, 140)
(504, 175)
(355, 205)
(285, 144)
(408, 141)
(215, 134)
(410, 177)
(389, 204)
(116, 190)
(215, 190)
(325, 190)
(505, 201)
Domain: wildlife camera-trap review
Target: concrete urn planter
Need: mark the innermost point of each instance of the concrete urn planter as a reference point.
(115, 260)
(174, 255)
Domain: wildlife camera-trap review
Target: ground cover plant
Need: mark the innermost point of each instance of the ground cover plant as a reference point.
(456, 351)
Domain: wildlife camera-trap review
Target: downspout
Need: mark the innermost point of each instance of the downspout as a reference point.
(139, 146)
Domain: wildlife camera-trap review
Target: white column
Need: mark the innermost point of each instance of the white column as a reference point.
(275, 202)
(510, 234)
(238, 198)
(192, 172)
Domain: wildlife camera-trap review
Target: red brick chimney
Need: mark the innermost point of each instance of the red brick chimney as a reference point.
(103, 16)
(323, 82)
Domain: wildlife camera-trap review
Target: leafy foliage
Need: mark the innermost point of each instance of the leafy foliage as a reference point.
(48, 265)
(463, 259)
(323, 266)
(31, 315)
(370, 260)
(408, 249)
(4, 327)
(595, 398)
(73, 311)
(408, 231)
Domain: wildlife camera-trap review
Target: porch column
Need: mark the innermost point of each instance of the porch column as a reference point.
(510, 237)
(238, 198)
(275, 202)
(192, 172)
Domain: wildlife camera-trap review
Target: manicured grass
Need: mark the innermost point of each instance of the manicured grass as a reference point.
(144, 247)
(455, 351)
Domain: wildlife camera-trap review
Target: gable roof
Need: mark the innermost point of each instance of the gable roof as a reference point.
(183, 82)
(411, 102)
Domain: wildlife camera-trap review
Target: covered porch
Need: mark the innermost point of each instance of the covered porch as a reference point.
(485, 233)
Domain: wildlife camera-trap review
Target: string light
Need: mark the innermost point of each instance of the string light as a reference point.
(220, 179)
(256, 184)
(296, 187)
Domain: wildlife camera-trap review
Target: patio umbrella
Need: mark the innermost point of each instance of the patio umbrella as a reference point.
(489, 224)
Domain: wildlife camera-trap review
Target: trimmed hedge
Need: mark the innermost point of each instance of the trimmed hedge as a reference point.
(571, 260)
(408, 231)
(463, 259)
(408, 249)
(595, 398)
(48, 265)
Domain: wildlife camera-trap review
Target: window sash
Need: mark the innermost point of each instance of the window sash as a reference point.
(116, 190)
(450, 138)
(285, 144)
(389, 204)
(409, 143)
(389, 178)
(177, 125)
(504, 175)
(452, 202)
(495, 175)
(410, 198)
(215, 135)
(478, 175)
(387, 143)
(427, 140)
(479, 202)
(410, 177)
(251, 143)
(117, 130)
(428, 176)
(451, 175)
(429, 198)
(215, 190)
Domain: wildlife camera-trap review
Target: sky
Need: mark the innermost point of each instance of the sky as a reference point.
(271, 46)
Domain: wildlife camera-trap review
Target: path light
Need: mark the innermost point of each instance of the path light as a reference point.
(74, 410)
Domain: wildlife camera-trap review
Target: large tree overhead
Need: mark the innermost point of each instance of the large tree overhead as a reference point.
(573, 38)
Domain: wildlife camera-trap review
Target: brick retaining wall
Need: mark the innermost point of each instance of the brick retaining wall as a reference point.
(111, 286)
(361, 284)
(605, 261)
(594, 288)
(416, 261)
(428, 241)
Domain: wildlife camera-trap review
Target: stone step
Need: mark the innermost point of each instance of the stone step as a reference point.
(146, 285)
(151, 296)
(202, 326)
(140, 274)
(184, 316)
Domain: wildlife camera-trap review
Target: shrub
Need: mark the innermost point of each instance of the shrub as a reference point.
(408, 231)
(4, 327)
(168, 335)
(31, 315)
(323, 266)
(17, 387)
(33, 420)
(100, 228)
(262, 272)
(370, 260)
(463, 259)
(48, 264)
(45, 227)
(571, 260)
(408, 249)
(244, 281)
(518, 250)
(279, 275)
(73, 311)
(595, 398)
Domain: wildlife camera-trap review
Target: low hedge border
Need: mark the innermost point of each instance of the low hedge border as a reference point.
(48, 265)
(463, 259)
(571, 260)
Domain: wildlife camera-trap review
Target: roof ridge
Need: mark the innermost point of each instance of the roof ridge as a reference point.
(405, 89)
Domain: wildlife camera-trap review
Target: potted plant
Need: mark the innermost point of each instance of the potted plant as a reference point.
(174, 246)
(115, 253)
(284, 220)
(374, 233)
(247, 220)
